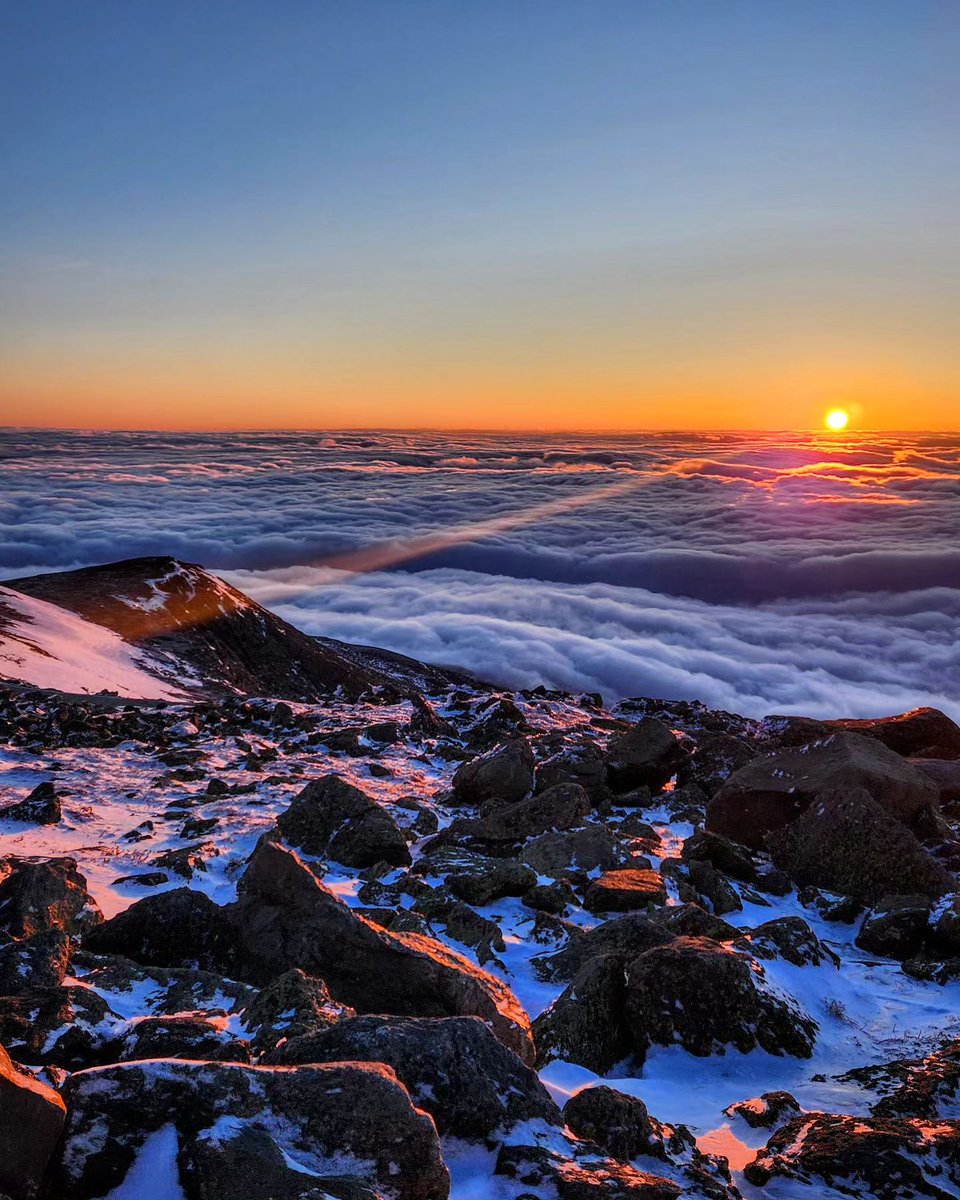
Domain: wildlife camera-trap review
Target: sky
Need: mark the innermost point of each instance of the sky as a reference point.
(499, 215)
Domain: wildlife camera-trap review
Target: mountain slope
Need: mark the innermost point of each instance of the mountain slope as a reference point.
(201, 633)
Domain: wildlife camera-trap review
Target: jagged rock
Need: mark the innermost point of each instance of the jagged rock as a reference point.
(920, 733)
(554, 854)
(768, 1111)
(585, 1023)
(699, 882)
(461, 923)
(453, 1067)
(618, 1123)
(186, 1035)
(582, 764)
(352, 1120)
(557, 808)
(41, 807)
(177, 928)
(847, 843)
(944, 774)
(717, 757)
(706, 997)
(917, 1087)
(625, 936)
(44, 894)
(291, 1006)
(549, 898)
(623, 891)
(37, 962)
(770, 792)
(880, 1158)
(186, 861)
(165, 990)
(791, 939)
(727, 856)
(690, 920)
(66, 1026)
(287, 918)
(898, 927)
(334, 819)
(645, 755)
(504, 773)
(504, 878)
(31, 1119)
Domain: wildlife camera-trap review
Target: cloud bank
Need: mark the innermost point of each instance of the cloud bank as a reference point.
(754, 572)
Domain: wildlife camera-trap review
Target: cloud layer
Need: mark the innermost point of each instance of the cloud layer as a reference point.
(790, 572)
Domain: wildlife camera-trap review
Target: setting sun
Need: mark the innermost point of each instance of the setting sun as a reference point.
(837, 419)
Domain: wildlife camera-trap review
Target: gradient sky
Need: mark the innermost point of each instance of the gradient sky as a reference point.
(508, 213)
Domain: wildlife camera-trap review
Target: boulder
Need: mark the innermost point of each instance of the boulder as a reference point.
(582, 763)
(945, 925)
(771, 792)
(768, 1111)
(185, 1035)
(39, 894)
(505, 877)
(331, 818)
(291, 1006)
(40, 961)
(791, 939)
(351, 1121)
(453, 1067)
(945, 776)
(717, 757)
(618, 1123)
(898, 927)
(645, 755)
(41, 807)
(706, 997)
(626, 936)
(286, 918)
(886, 1159)
(504, 773)
(60, 1026)
(624, 891)
(699, 882)
(848, 843)
(585, 1024)
(920, 733)
(554, 854)
(557, 808)
(31, 1120)
(727, 856)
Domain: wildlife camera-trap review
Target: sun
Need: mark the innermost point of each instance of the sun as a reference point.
(837, 419)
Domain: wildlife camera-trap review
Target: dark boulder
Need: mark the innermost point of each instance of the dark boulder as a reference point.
(920, 733)
(39, 894)
(333, 819)
(727, 856)
(557, 808)
(453, 1067)
(555, 854)
(41, 807)
(771, 792)
(504, 773)
(504, 877)
(585, 1024)
(40, 961)
(626, 936)
(768, 1111)
(848, 843)
(352, 1121)
(291, 1006)
(791, 939)
(624, 891)
(618, 1123)
(898, 927)
(645, 755)
(186, 1035)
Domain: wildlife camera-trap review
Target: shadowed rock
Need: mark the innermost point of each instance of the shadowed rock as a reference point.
(333, 819)
(31, 1118)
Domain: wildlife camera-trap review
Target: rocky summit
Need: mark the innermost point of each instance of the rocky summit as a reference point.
(285, 919)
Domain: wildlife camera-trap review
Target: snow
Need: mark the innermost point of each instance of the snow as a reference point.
(49, 647)
(153, 1175)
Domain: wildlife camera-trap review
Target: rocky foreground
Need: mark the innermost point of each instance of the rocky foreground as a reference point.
(475, 943)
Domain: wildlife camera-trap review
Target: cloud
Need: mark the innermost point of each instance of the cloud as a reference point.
(676, 564)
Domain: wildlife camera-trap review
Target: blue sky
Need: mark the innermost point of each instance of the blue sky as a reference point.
(362, 200)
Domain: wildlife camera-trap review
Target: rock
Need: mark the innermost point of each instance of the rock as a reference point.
(44, 894)
(352, 1121)
(504, 878)
(623, 891)
(585, 1025)
(41, 807)
(37, 962)
(286, 918)
(460, 921)
(618, 1123)
(504, 773)
(791, 939)
(706, 997)
(549, 898)
(291, 1006)
(145, 879)
(177, 928)
(333, 819)
(572, 1173)
(31, 1119)
(164, 990)
(645, 755)
(945, 776)
(557, 808)
(699, 882)
(186, 1035)
(65, 1026)
(727, 856)
(186, 861)
(690, 920)
(770, 792)
(881, 1158)
(920, 733)
(768, 1111)
(923, 1087)
(553, 854)
(898, 927)
(453, 1067)
(582, 764)
(847, 843)
(945, 925)
(717, 757)
(625, 936)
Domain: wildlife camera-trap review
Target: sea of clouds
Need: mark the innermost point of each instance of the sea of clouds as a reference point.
(759, 573)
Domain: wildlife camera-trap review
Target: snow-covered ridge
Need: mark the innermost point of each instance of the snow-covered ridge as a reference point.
(49, 647)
